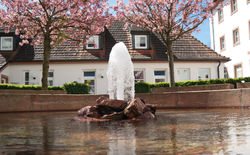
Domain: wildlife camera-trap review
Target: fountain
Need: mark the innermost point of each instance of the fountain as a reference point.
(120, 74)
(121, 103)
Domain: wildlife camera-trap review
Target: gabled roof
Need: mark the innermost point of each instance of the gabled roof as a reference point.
(186, 48)
(2, 61)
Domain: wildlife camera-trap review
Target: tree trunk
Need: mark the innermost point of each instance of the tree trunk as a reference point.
(171, 64)
(46, 57)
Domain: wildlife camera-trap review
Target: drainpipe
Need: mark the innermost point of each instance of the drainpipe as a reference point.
(218, 69)
(213, 30)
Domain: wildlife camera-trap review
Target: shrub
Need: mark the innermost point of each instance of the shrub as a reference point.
(202, 82)
(160, 84)
(76, 88)
(28, 87)
(142, 87)
(55, 88)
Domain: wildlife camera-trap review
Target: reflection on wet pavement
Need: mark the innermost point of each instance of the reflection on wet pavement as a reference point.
(214, 131)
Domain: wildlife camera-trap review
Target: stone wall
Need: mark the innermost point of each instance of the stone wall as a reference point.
(243, 85)
(231, 98)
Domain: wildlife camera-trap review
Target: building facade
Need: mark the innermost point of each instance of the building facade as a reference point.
(230, 36)
(68, 62)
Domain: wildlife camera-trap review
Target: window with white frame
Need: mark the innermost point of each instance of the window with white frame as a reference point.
(160, 75)
(204, 74)
(26, 77)
(7, 43)
(139, 75)
(50, 78)
(183, 74)
(249, 28)
(238, 71)
(89, 78)
(141, 41)
(236, 36)
(226, 73)
(93, 42)
(234, 6)
(220, 15)
(222, 43)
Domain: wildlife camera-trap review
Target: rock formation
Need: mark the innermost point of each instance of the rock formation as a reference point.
(107, 109)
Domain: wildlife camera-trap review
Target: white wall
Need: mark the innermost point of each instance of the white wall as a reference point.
(69, 72)
(238, 54)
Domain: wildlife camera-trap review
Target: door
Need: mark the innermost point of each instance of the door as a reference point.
(89, 78)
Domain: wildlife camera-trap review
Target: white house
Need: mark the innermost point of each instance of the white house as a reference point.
(193, 60)
(230, 36)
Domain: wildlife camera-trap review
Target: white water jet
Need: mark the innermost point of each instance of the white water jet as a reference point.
(120, 74)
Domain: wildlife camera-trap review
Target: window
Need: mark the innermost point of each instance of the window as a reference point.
(50, 78)
(236, 36)
(204, 74)
(26, 77)
(160, 76)
(249, 28)
(234, 6)
(7, 43)
(183, 74)
(141, 42)
(238, 71)
(93, 42)
(220, 15)
(226, 73)
(222, 43)
(89, 78)
(139, 75)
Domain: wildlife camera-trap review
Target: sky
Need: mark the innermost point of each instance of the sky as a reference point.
(204, 35)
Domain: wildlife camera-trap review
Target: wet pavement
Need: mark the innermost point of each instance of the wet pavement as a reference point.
(200, 131)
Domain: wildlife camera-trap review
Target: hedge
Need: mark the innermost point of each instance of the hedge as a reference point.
(202, 82)
(76, 88)
(142, 87)
(28, 87)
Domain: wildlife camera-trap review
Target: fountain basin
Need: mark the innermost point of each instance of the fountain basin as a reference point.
(192, 131)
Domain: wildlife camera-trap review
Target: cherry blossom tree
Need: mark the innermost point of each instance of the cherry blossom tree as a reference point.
(170, 19)
(52, 22)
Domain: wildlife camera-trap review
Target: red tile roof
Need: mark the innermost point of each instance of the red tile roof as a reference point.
(186, 48)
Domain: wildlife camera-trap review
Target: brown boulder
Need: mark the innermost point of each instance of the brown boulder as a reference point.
(83, 111)
(89, 111)
(150, 108)
(116, 105)
(135, 108)
(114, 116)
(147, 115)
(104, 110)
(100, 99)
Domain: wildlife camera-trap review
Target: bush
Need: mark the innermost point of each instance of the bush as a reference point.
(142, 87)
(76, 88)
(160, 84)
(55, 88)
(202, 82)
(27, 87)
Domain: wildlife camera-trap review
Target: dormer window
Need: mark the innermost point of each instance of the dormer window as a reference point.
(93, 42)
(6, 43)
(141, 42)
